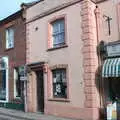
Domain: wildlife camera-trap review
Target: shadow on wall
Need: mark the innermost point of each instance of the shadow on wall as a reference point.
(100, 87)
(99, 81)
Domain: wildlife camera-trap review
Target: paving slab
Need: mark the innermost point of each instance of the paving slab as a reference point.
(9, 114)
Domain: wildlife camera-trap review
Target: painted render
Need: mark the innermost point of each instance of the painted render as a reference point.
(80, 56)
(110, 8)
(85, 28)
(38, 52)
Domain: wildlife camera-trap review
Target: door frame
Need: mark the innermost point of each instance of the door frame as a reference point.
(37, 66)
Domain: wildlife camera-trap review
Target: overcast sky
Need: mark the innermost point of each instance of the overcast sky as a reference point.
(8, 7)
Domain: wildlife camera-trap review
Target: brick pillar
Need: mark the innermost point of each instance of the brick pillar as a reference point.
(90, 62)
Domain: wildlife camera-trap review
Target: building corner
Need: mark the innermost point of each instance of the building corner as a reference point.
(90, 64)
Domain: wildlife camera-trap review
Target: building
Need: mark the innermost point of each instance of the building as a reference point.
(108, 23)
(59, 57)
(65, 68)
(12, 56)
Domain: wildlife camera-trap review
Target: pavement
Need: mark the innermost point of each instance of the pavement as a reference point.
(9, 114)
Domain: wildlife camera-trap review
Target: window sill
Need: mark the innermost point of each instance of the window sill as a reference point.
(17, 98)
(7, 49)
(55, 48)
(59, 99)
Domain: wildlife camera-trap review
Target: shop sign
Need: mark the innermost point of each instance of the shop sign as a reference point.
(113, 50)
(22, 72)
(112, 111)
(23, 78)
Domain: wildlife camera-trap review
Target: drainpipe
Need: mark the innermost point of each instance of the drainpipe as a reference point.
(23, 8)
(25, 95)
(97, 17)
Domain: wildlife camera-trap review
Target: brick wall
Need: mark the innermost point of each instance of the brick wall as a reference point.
(16, 55)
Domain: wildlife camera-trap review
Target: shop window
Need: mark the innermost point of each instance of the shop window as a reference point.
(114, 91)
(18, 84)
(9, 38)
(3, 78)
(59, 83)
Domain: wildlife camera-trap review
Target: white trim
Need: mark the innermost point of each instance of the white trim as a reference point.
(111, 68)
(14, 83)
(9, 37)
(15, 79)
(7, 76)
(5, 58)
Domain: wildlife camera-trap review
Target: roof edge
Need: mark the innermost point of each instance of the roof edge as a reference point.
(30, 4)
(11, 17)
(100, 1)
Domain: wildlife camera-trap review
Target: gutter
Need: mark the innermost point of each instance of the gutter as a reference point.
(97, 17)
(11, 17)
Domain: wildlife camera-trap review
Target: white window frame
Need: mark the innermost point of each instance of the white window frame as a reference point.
(15, 75)
(5, 58)
(9, 37)
(15, 79)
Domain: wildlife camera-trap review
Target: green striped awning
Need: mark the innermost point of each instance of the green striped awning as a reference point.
(111, 68)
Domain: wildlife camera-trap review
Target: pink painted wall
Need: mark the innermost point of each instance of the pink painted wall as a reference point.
(44, 6)
(71, 55)
(110, 8)
(80, 55)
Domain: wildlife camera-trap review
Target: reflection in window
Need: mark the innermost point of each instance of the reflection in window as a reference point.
(3, 77)
(58, 33)
(59, 83)
(18, 84)
(9, 38)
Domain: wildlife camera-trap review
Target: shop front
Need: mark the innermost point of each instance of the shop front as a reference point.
(111, 77)
(8, 99)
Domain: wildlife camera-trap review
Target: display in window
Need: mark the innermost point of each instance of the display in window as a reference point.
(59, 83)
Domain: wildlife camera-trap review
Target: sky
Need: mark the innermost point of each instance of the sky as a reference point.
(8, 7)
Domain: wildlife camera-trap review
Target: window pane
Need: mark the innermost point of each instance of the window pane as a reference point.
(2, 84)
(59, 83)
(12, 37)
(61, 26)
(18, 86)
(58, 33)
(55, 40)
(6, 38)
(61, 38)
(55, 28)
(9, 38)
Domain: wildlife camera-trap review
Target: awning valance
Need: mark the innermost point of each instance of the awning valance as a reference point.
(111, 68)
